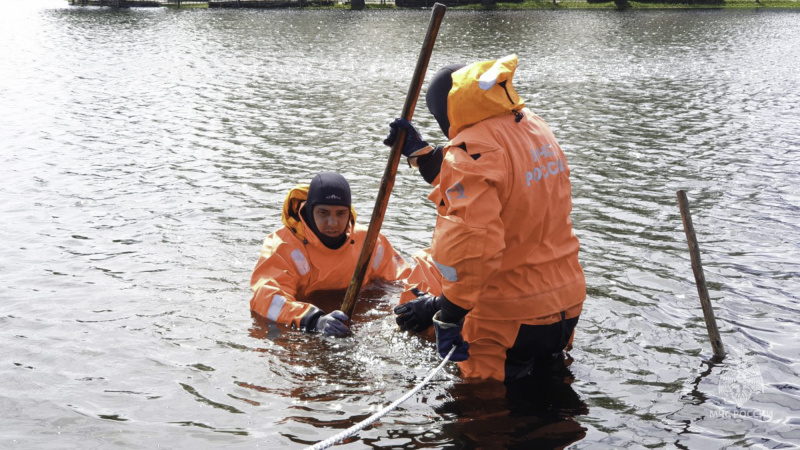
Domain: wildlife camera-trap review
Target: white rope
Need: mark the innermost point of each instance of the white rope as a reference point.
(373, 418)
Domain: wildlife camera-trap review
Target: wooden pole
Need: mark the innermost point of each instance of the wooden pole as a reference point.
(700, 278)
(387, 182)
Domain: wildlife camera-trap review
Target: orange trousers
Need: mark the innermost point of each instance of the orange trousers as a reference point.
(499, 349)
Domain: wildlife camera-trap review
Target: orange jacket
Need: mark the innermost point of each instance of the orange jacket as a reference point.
(293, 263)
(503, 241)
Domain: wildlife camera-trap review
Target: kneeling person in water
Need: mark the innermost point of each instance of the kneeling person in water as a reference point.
(316, 250)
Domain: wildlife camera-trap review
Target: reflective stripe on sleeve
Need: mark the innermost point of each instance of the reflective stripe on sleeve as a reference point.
(449, 273)
(376, 261)
(275, 307)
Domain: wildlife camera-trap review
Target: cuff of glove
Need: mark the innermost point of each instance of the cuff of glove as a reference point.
(412, 158)
(309, 322)
(450, 311)
(430, 164)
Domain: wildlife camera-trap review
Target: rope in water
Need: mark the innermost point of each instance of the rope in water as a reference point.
(373, 418)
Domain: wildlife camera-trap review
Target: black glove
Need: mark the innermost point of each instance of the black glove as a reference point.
(414, 146)
(449, 335)
(417, 315)
(333, 324)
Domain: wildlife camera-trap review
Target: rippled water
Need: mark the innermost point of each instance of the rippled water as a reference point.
(146, 153)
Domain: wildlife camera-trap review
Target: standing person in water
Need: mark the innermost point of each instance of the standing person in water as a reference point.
(502, 280)
(316, 250)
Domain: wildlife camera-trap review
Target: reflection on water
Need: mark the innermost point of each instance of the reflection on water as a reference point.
(535, 412)
(146, 154)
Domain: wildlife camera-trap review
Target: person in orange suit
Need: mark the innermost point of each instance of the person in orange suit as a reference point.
(502, 282)
(316, 250)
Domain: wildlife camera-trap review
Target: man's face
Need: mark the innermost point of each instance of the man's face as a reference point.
(331, 220)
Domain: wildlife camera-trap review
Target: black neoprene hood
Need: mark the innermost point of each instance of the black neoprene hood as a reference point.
(436, 97)
(327, 188)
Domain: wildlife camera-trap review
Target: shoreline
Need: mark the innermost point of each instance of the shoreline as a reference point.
(609, 5)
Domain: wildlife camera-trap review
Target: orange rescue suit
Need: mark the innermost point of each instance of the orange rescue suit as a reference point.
(503, 243)
(294, 262)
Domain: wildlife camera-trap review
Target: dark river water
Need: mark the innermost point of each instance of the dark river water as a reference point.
(145, 154)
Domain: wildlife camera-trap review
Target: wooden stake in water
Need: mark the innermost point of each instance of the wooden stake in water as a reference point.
(387, 182)
(700, 278)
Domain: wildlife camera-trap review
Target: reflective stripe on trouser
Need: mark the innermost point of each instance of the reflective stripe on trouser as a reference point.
(507, 350)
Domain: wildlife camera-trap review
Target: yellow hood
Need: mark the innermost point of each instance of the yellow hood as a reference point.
(291, 210)
(480, 91)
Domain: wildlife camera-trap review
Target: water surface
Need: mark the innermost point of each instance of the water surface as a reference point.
(146, 153)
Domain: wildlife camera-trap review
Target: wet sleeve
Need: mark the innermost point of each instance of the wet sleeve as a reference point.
(386, 263)
(275, 283)
(424, 277)
(469, 238)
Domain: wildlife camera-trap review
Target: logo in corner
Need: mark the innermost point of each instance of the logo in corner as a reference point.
(739, 382)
